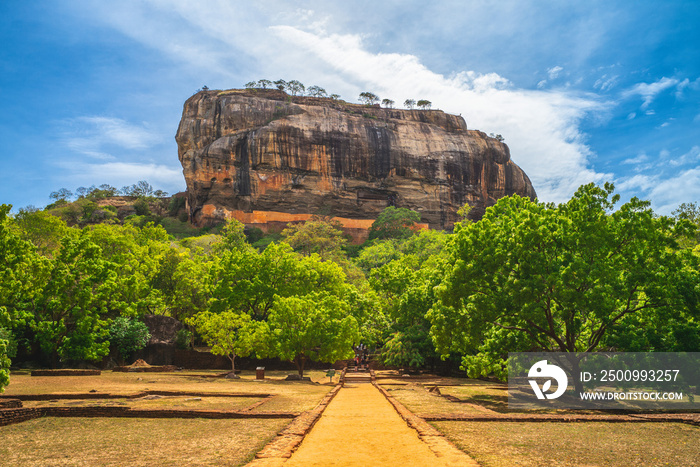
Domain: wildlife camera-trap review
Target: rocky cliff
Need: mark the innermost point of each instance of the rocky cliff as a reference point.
(264, 157)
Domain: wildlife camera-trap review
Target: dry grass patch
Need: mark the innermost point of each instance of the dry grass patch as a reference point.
(156, 403)
(288, 396)
(505, 444)
(417, 398)
(134, 442)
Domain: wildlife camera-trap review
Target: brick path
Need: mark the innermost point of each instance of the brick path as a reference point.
(360, 427)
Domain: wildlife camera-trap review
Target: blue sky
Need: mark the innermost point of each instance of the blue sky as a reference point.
(91, 92)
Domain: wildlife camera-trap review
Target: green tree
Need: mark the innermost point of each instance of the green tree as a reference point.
(251, 85)
(42, 229)
(295, 87)
(409, 103)
(233, 237)
(21, 276)
(317, 91)
(317, 235)
(128, 335)
(394, 222)
(405, 285)
(335, 97)
(317, 327)
(4, 365)
(369, 98)
(231, 334)
(280, 84)
(388, 103)
(136, 254)
(264, 83)
(70, 313)
(691, 213)
(424, 104)
(247, 281)
(537, 277)
(61, 194)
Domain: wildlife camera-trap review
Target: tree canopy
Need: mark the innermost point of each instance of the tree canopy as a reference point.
(537, 277)
(394, 222)
(369, 98)
(317, 327)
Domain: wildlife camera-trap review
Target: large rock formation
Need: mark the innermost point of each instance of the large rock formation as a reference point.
(264, 157)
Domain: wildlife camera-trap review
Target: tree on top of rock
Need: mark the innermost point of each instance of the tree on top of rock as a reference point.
(317, 91)
(369, 98)
(295, 87)
(388, 103)
(424, 104)
(409, 103)
(280, 84)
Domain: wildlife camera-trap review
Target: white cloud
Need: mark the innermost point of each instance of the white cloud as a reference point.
(682, 188)
(635, 183)
(93, 136)
(636, 160)
(541, 128)
(689, 157)
(649, 91)
(542, 84)
(553, 72)
(631, 116)
(605, 82)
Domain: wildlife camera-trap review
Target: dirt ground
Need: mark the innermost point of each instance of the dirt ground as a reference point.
(360, 427)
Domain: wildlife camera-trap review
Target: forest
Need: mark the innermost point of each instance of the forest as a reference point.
(589, 274)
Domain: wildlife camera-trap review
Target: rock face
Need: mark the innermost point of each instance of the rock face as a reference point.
(266, 158)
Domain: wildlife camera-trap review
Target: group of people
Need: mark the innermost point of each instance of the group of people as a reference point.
(361, 357)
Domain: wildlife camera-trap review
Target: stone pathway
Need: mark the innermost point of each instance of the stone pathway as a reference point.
(360, 428)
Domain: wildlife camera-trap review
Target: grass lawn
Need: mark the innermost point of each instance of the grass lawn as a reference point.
(506, 444)
(134, 442)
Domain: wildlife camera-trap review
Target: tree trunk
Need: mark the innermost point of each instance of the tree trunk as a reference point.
(576, 375)
(232, 357)
(300, 360)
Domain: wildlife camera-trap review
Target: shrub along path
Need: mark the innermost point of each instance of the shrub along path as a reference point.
(361, 427)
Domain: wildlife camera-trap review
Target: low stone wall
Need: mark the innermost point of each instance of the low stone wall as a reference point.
(66, 372)
(10, 416)
(10, 403)
(145, 369)
(102, 395)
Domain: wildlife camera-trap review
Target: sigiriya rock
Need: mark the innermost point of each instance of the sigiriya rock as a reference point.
(267, 158)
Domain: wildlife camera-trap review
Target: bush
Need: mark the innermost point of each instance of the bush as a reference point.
(128, 335)
(142, 208)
